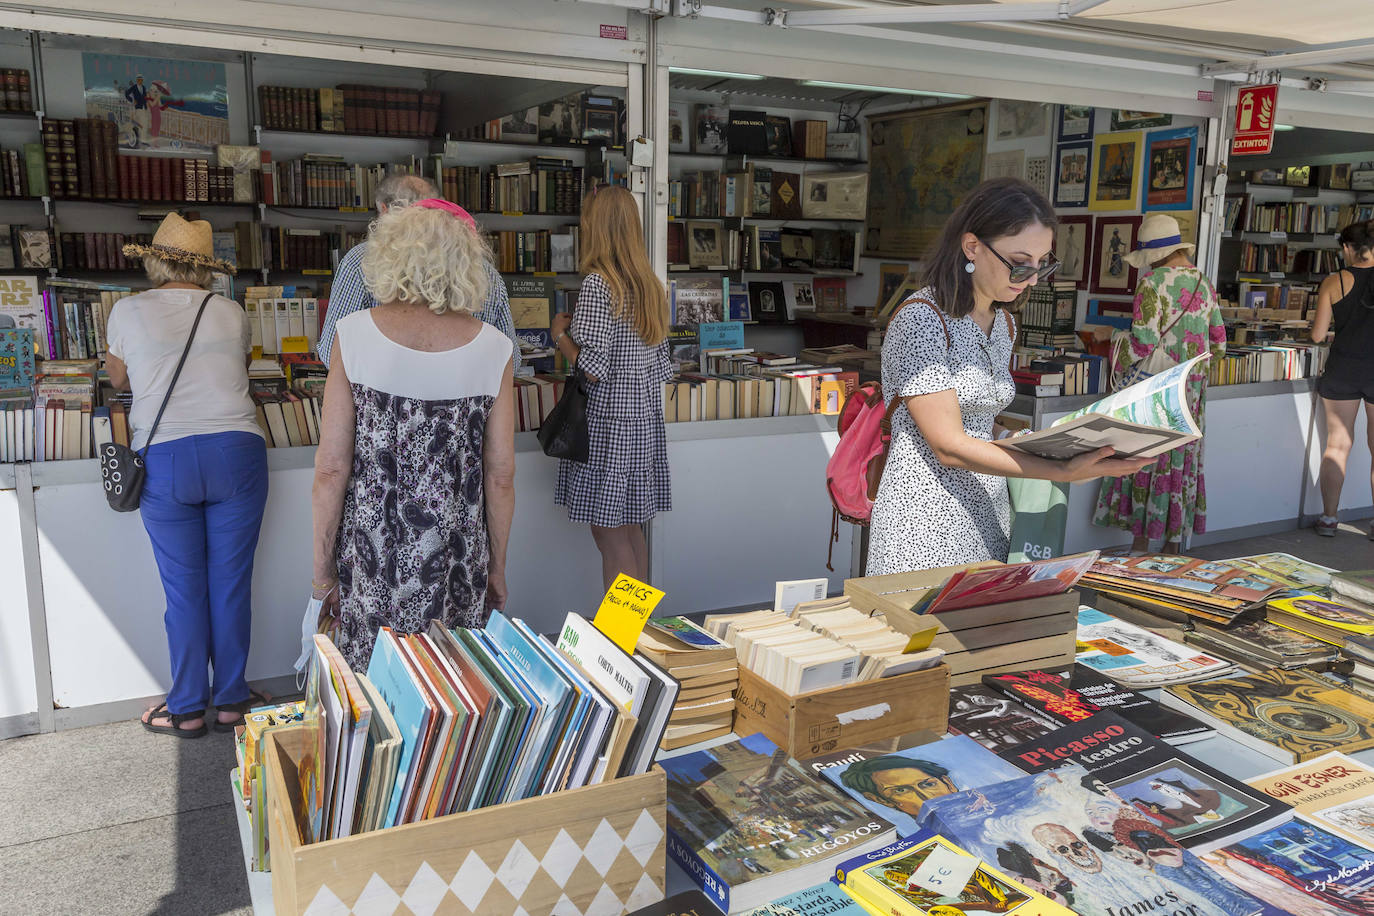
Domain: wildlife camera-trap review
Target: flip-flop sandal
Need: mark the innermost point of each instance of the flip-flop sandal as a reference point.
(254, 699)
(174, 729)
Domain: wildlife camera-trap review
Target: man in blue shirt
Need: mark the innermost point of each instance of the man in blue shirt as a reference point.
(349, 294)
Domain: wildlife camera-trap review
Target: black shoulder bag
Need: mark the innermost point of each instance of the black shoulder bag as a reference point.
(564, 433)
(122, 469)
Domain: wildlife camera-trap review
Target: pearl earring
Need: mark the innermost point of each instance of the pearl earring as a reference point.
(968, 267)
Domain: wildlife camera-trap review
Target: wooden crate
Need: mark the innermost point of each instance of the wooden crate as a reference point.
(594, 849)
(839, 717)
(1012, 636)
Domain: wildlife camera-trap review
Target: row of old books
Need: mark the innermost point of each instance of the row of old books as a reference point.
(535, 250)
(471, 718)
(22, 172)
(59, 416)
(1278, 361)
(762, 192)
(756, 391)
(388, 111)
(16, 90)
(544, 184)
(81, 160)
(719, 129)
(287, 418)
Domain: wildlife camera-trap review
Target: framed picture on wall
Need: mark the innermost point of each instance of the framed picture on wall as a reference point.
(1075, 122)
(1116, 313)
(1135, 120)
(1116, 172)
(1113, 239)
(1071, 248)
(1170, 157)
(1072, 169)
(1020, 120)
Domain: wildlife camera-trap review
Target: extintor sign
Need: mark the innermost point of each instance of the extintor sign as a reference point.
(1256, 107)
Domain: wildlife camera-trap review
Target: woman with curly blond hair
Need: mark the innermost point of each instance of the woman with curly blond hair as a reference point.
(414, 477)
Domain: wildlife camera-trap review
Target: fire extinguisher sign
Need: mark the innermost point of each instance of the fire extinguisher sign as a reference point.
(1255, 110)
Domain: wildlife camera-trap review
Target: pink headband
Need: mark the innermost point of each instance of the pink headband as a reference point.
(434, 203)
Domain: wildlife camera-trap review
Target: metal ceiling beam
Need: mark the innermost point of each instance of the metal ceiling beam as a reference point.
(1337, 54)
(960, 12)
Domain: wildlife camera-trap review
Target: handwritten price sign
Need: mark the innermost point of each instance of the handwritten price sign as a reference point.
(625, 609)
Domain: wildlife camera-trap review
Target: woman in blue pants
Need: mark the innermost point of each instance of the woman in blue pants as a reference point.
(206, 484)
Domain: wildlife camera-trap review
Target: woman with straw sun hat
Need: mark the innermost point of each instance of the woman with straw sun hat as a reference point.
(206, 483)
(1176, 309)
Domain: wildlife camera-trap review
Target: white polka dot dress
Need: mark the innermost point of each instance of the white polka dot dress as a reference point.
(928, 515)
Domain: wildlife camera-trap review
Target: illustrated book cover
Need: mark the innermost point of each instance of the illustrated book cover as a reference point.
(1300, 869)
(1135, 657)
(1197, 806)
(1083, 850)
(1291, 716)
(992, 718)
(747, 823)
(1333, 791)
(896, 784)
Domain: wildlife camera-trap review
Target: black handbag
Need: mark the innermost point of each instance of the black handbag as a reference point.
(122, 470)
(564, 433)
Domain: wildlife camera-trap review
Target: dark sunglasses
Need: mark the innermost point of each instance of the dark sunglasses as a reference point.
(1020, 273)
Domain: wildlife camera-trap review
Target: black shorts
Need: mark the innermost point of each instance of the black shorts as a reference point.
(1346, 386)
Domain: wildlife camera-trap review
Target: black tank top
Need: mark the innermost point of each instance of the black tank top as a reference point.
(1352, 316)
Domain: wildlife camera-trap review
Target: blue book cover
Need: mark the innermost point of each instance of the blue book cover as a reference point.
(1090, 852)
(1302, 869)
(510, 787)
(390, 675)
(580, 702)
(16, 358)
(555, 693)
(895, 785)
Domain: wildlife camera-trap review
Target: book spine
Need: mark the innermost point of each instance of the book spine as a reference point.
(705, 877)
(25, 91)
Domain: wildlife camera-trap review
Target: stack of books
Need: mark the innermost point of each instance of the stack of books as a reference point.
(707, 674)
(1208, 590)
(1138, 658)
(1343, 623)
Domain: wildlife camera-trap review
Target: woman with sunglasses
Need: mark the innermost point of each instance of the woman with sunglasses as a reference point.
(1175, 308)
(947, 357)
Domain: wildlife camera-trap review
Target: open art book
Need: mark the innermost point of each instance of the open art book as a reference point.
(1142, 421)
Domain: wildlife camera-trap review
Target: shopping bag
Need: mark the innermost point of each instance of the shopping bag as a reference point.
(1039, 514)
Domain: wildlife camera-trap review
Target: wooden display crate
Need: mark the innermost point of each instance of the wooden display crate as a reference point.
(826, 720)
(1012, 636)
(594, 849)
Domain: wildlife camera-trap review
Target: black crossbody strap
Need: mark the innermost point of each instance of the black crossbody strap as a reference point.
(177, 374)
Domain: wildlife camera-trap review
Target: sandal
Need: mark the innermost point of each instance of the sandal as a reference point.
(254, 699)
(174, 729)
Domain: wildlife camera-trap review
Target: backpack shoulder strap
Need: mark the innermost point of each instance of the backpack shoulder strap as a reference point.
(949, 344)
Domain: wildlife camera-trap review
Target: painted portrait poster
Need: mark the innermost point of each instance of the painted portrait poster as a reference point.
(159, 104)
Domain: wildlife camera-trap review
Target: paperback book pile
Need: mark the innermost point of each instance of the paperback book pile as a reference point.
(476, 718)
(1202, 589)
(1291, 716)
(746, 823)
(1259, 644)
(707, 675)
(1135, 657)
(820, 644)
(987, 617)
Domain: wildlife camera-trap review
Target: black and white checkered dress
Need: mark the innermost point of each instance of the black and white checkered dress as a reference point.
(625, 478)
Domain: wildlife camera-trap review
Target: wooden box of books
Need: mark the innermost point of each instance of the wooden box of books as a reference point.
(815, 723)
(1009, 636)
(592, 849)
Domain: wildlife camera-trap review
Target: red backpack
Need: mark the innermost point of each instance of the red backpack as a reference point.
(856, 467)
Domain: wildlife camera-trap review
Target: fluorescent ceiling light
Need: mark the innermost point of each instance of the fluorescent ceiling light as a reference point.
(930, 92)
(723, 74)
(1285, 127)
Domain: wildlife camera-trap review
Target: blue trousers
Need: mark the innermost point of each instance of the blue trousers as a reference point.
(202, 506)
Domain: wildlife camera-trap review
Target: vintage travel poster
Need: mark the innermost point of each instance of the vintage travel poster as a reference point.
(159, 104)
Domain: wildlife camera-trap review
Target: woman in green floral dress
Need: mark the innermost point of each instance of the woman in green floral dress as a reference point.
(1175, 308)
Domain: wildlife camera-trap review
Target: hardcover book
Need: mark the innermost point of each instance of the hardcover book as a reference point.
(747, 823)
(712, 129)
(784, 196)
(895, 785)
(1091, 853)
(1333, 791)
(748, 134)
(1141, 711)
(1291, 716)
(1301, 869)
(1197, 806)
(906, 878)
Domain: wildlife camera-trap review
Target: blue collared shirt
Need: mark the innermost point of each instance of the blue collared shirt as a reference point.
(349, 294)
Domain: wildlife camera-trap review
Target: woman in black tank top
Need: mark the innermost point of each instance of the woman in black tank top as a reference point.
(1345, 304)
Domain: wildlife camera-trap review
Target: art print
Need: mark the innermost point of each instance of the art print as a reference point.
(158, 103)
(1170, 159)
(1072, 169)
(1019, 120)
(1071, 248)
(1113, 239)
(1116, 172)
(1075, 122)
(1184, 800)
(1135, 120)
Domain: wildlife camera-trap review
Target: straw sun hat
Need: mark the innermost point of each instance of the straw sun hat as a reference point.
(180, 240)
(1159, 237)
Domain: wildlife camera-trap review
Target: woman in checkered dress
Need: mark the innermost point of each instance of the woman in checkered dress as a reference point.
(619, 338)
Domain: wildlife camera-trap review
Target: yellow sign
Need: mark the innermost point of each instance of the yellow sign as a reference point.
(625, 609)
(295, 344)
(921, 639)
